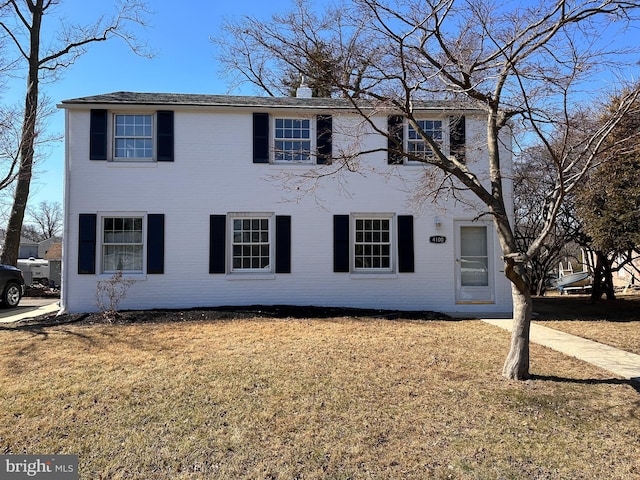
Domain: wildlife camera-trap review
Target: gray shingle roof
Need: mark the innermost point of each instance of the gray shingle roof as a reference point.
(204, 100)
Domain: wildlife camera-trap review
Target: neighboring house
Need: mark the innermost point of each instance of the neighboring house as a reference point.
(31, 248)
(54, 257)
(627, 276)
(28, 248)
(209, 200)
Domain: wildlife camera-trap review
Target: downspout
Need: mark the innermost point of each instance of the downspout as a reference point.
(65, 230)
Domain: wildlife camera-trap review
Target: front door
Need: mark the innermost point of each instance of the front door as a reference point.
(474, 266)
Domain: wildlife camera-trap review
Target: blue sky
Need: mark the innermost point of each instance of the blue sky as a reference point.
(185, 62)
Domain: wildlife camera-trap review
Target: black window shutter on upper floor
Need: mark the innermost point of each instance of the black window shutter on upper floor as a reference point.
(98, 134)
(217, 238)
(395, 140)
(341, 243)
(324, 126)
(457, 134)
(260, 138)
(283, 244)
(87, 243)
(164, 140)
(155, 243)
(405, 244)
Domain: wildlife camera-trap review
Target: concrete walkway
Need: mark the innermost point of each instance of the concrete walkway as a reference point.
(29, 308)
(618, 362)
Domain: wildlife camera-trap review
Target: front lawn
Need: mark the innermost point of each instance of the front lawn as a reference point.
(309, 398)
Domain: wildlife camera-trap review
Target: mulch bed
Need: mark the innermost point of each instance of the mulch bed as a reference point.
(225, 313)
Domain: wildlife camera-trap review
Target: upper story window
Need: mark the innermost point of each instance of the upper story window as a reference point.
(133, 136)
(416, 145)
(406, 145)
(292, 140)
(282, 140)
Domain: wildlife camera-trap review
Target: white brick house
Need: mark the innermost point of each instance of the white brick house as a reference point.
(194, 197)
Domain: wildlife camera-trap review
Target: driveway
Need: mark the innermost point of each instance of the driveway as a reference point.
(29, 307)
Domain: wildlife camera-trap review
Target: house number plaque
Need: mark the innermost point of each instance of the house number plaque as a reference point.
(438, 239)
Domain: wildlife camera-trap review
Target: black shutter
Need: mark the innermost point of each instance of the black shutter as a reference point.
(260, 138)
(98, 135)
(87, 243)
(155, 243)
(457, 134)
(341, 243)
(164, 140)
(395, 140)
(405, 243)
(283, 244)
(324, 126)
(217, 240)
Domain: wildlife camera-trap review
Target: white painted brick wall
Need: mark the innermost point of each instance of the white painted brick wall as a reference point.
(213, 173)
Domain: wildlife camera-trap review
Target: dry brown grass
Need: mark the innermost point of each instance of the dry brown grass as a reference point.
(336, 398)
(615, 323)
(625, 336)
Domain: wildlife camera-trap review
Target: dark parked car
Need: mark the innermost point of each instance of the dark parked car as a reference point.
(11, 286)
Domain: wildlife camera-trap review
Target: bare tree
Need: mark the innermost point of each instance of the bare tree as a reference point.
(526, 67)
(46, 220)
(22, 23)
(533, 177)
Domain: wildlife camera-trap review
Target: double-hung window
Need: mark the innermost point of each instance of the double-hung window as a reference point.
(122, 244)
(251, 244)
(372, 244)
(292, 140)
(416, 145)
(133, 136)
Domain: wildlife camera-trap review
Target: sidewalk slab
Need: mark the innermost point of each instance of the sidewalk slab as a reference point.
(35, 312)
(621, 363)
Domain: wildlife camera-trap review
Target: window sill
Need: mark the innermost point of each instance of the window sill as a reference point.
(250, 276)
(373, 275)
(133, 163)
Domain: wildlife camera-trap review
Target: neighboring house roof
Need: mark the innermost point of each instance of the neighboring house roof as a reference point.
(203, 100)
(54, 252)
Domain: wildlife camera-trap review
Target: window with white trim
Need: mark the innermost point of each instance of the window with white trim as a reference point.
(293, 140)
(416, 145)
(251, 243)
(133, 136)
(122, 244)
(372, 248)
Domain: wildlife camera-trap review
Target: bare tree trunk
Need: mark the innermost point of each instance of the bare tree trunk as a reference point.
(516, 366)
(14, 228)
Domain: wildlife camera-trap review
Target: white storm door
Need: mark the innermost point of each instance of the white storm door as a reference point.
(474, 265)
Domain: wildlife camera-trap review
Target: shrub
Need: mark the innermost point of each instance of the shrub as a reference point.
(109, 294)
